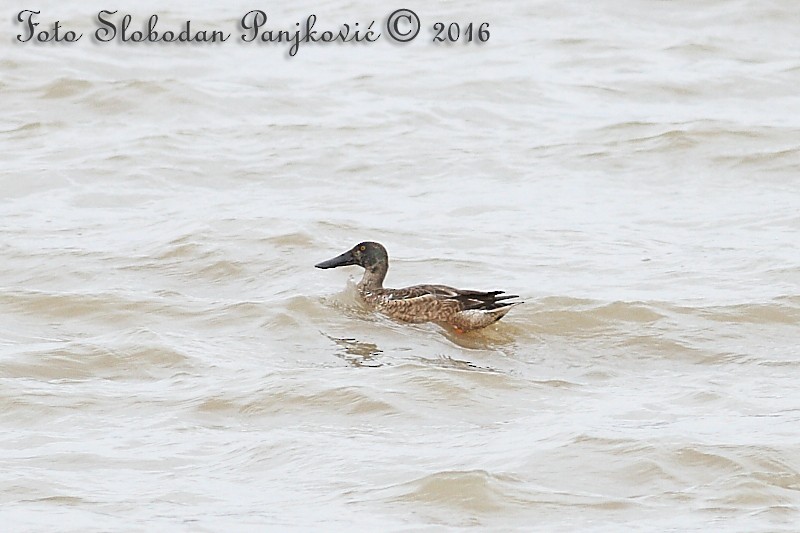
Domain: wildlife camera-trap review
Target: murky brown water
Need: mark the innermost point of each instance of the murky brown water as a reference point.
(171, 360)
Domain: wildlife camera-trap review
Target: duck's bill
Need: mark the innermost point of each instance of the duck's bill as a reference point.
(340, 261)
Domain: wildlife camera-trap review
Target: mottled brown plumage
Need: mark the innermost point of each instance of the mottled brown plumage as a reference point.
(463, 310)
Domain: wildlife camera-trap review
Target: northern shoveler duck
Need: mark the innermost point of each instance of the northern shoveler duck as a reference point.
(463, 310)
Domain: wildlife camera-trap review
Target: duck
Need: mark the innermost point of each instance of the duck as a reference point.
(461, 310)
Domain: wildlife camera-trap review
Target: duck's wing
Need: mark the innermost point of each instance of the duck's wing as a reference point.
(457, 299)
(464, 309)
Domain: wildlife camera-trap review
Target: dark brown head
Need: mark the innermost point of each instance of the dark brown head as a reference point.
(370, 255)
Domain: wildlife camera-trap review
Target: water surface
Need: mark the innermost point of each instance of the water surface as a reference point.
(170, 359)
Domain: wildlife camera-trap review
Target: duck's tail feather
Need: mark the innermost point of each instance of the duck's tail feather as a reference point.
(480, 318)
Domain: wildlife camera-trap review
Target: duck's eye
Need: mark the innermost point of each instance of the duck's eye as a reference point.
(362, 248)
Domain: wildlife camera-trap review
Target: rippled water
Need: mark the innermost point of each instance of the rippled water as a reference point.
(170, 359)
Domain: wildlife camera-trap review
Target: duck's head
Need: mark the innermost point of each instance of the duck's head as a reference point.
(369, 255)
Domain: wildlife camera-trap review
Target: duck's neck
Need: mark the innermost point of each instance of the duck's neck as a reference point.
(373, 277)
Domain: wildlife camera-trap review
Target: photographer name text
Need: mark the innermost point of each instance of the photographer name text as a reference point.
(402, 26)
